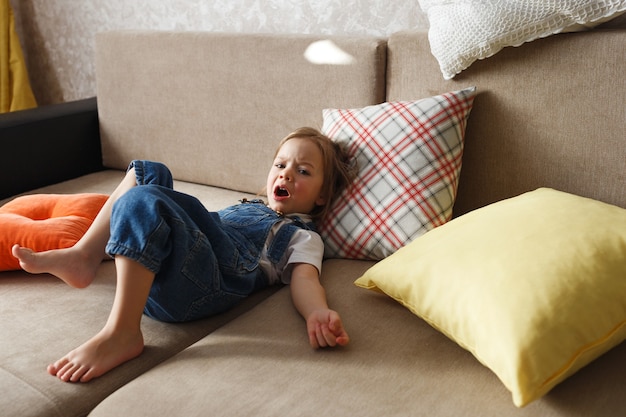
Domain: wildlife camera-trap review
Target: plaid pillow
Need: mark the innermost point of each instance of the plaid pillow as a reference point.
(409, 160)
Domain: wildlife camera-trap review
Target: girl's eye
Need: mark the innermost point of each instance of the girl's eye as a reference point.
(303, 171)
(279, 165)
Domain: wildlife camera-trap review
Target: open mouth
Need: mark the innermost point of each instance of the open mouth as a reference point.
(281, 192)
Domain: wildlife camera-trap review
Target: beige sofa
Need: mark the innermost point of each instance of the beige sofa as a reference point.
(550, 113)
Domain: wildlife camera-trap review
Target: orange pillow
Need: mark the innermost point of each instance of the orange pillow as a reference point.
(45, 221)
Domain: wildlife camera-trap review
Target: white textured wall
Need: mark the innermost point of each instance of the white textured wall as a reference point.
(58, 35)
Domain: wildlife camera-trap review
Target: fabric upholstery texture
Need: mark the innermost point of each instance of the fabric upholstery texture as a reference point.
(396, 365)
(409, 157)
(269, 100)
(534, 117)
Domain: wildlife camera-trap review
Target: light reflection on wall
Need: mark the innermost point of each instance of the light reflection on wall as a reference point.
(327, 52)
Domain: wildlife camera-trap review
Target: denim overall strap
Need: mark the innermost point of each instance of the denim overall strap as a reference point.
(280, 242)
(254, 220)
(248, 225)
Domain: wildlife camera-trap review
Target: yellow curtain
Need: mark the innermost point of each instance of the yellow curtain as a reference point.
(15, 91)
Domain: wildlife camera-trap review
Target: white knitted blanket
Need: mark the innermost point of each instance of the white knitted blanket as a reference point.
(463, 31)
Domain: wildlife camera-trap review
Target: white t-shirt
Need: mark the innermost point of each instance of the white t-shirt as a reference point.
(305, 246)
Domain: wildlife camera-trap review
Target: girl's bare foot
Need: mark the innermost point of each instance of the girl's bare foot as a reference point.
(100, 354)
(74, 267)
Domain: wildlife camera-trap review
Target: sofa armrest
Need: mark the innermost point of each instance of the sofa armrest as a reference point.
(49, 144)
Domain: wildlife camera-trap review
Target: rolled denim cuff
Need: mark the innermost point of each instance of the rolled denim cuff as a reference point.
(150, 172)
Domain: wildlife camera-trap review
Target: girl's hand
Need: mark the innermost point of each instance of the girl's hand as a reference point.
(325, 329)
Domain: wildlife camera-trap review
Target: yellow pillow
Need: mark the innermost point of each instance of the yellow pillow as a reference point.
(534, 286)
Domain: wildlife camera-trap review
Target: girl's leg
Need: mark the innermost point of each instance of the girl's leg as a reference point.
(77, 265)
(144, 228)
(121, 339)
(187, 247)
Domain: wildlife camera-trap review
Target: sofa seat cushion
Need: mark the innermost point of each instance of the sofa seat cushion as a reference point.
(41, 319)
(395, 365)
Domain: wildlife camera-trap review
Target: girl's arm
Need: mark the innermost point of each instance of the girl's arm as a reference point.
(324, 325)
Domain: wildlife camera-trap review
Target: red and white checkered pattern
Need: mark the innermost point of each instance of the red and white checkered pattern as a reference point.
(409, 159)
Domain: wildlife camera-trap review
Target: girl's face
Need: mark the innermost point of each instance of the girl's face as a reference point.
(294, 184)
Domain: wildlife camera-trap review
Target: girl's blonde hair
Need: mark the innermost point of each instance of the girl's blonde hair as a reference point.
(339, 169)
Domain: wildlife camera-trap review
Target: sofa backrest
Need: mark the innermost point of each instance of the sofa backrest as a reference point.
(550, 113)
(214, 106)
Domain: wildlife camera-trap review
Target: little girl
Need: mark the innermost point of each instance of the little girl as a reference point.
(175, 261)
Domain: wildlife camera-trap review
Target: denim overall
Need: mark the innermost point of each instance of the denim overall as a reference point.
(204, 262)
